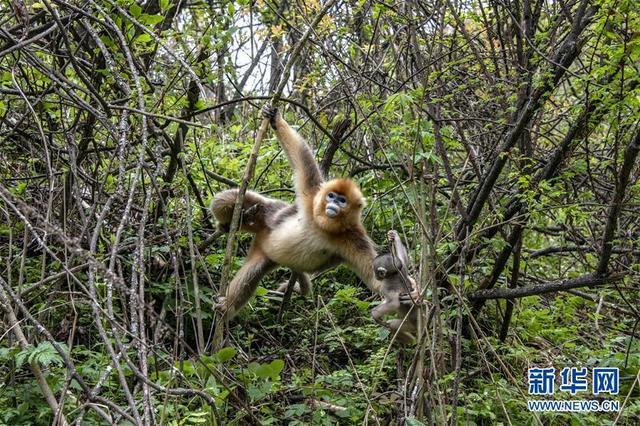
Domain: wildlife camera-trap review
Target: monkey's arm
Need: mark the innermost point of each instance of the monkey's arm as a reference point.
(403, 329)
(398, 249)
(358, 252)
(305, 167)
(413, 292)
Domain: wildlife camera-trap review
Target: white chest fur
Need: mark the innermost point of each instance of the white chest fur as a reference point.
(299, 246)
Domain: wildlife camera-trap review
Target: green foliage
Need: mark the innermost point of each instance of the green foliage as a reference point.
(44, 354)
(431, 98)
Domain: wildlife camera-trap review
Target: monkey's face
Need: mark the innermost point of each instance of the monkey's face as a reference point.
(335, 204)
(381, 273)
(386, 267)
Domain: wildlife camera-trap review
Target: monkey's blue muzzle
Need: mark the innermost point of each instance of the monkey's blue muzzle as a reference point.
(332, 210)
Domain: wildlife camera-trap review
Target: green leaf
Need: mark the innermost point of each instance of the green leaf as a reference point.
(135, 10)
(44, 354)
(271, 370)
(430, 156)
(151, 19)
(225, 354)
(143, 38)
(297, 410)
(255, 392)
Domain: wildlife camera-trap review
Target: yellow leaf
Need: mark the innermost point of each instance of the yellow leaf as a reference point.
(277, 30)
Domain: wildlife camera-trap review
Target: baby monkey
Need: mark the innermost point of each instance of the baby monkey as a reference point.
(391, 269)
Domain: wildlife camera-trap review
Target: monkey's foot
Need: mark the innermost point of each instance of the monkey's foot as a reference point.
(282, 288)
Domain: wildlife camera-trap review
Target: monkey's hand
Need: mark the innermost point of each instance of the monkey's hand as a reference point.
(392, 236)
(272, 113)
(412, 298)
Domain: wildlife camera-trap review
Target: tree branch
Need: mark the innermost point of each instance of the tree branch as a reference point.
(630, 155)
(588, 280)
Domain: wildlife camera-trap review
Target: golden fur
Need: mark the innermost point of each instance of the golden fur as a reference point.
(349, 218)
(301, 236)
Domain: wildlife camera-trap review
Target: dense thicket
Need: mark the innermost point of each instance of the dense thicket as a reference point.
(500, 138)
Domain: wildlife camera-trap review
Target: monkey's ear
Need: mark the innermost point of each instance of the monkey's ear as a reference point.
(362, 203)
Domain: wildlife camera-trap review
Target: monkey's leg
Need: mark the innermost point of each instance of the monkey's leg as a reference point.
(244, 284)
(404, 330)
(385, 308)
(401, 326)
(302, 285)
(287, 294)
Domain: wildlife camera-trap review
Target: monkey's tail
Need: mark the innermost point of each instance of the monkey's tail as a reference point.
(223, 203)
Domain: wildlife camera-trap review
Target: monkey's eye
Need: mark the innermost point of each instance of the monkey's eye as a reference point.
(342, 201)
(331, 195)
